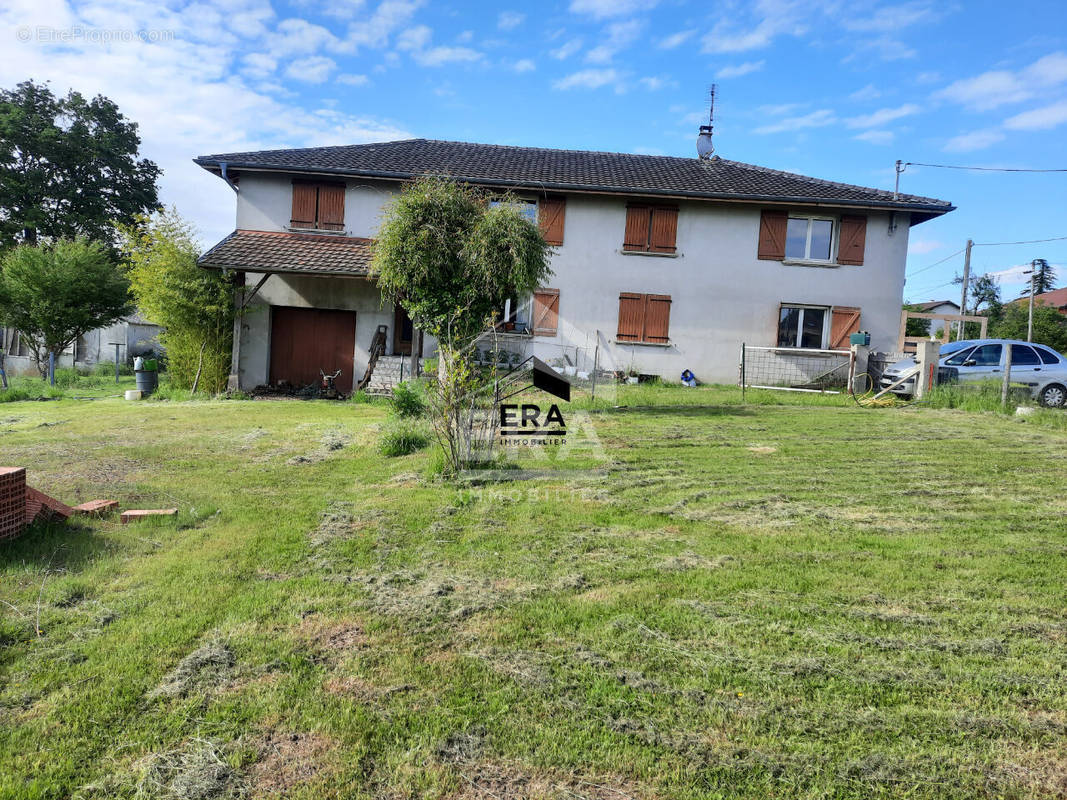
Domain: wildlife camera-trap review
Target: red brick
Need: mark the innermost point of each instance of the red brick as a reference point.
(97, 507)
(133, 516)
(42, 508)
(12, 501)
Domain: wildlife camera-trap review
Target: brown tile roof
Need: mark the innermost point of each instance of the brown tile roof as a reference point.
(1057, 298)
(299, 253)
(540, 169)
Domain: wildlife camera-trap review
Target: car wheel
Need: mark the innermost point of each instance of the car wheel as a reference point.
(1053, 396)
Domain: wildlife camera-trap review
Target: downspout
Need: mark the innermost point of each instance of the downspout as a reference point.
(225, 177)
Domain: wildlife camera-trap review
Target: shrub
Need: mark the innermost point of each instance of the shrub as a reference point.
(408, 400)
(402, 437)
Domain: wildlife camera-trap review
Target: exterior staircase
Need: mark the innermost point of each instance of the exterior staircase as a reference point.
(388, 372)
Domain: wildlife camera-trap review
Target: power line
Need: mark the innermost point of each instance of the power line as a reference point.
(942, 261)
(1030, 241)
(978, 169)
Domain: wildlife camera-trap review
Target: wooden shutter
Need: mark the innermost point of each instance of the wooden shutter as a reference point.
(631, 317)
(657, 318)
(305, 200)
(853, 238)
(545, 312)
(332, 207)
(664, 230)
(844, 321)
(550, 216)
(772, 225)
(637, 228)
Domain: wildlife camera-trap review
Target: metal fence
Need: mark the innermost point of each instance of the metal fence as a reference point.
(794, 369)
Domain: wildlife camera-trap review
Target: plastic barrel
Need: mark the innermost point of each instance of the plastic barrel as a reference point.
(147, 380)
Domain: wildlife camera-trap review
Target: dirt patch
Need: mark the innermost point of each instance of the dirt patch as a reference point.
(288, 760)
(690, 560)
(495, 780)
(206, 668)
(762, 450)
(333, 636)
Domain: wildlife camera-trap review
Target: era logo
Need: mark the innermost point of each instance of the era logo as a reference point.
(529, 415)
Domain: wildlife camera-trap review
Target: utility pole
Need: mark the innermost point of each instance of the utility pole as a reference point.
(1030, 316)
(966, 282)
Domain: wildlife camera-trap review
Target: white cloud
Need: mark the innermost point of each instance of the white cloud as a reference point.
(389, 16)
(884, 48)
(524, 65)
(780, 109)
(891, 18)
(882, 116)
(974, 140)
(567, 49)
(439, 56)
(414, 38)
(868, 92)
(508, 20)
(816, 119)
(259, 65)
(1011, 275)
(920, 247)
(588, 79)
(654, 84)
(299, 37)
(313, 69)
(1039, 119)
(617, 36)
(738, 70)
(875, 137)
(1000, 87)
(349, 79)
(675, 40)
(769, 19)
(602, 9)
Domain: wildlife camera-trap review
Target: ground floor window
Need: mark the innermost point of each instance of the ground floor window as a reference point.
(803, 326)
(644, 318)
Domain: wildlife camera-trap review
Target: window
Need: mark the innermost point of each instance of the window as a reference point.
(1023, 356)
(545, 312)
(527, 208)
(1047, 356)
(644, 318)
(318, 206)
(650, 229)
(550, 216)
(802, 326)
(987, 355)
(809, 238)
(958, 359)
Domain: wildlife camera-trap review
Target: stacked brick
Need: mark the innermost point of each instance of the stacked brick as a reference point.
(12, 501)
(42, 508)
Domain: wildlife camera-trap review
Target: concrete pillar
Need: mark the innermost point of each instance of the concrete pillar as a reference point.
(861, 381)
(927, 354)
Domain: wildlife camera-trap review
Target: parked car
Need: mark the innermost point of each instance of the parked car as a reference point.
(1036, 366)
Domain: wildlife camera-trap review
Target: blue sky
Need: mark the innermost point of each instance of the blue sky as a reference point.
(834, 89)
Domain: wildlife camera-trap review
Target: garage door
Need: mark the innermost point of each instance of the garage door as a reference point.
(306, 340)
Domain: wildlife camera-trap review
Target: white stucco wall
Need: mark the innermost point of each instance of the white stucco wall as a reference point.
(722, 295)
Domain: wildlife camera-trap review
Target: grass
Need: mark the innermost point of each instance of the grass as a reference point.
(746, 601)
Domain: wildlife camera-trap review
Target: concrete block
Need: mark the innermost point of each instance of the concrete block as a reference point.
(134, 515)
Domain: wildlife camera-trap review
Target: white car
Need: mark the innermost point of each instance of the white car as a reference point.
(1040, 368)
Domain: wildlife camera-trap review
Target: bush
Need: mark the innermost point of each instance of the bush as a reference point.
(402, 437)
(408, 400)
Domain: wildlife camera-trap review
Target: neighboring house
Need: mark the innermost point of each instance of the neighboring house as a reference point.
(1056, 298)
(938, 307)
(135, 335)
(660, 263)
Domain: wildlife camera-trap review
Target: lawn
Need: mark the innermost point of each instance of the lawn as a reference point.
(740, 601)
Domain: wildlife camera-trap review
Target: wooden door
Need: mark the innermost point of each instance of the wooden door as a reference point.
(306, 340)
(402, 332)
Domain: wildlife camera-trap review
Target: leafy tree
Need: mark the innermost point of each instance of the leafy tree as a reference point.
(55, 293)
(452, 259)
(914, 326)
(1050, 326)
(1044, 278)
(68, 167)
(194, 305)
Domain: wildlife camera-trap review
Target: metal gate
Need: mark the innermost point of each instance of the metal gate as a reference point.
(798, 369)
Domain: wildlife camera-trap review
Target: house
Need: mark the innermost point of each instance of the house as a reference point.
(938, 307)
(135, 336)
(660, 263)
(1057, 298)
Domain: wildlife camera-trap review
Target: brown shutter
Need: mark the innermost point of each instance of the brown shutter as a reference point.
(332, 207)
(305, 196)
(772, 225)
(658, 318)
(631, 317)
(853, 238)
(550, 216)
(844, 321)
(545, 312)
(637, 228)
(664, 230)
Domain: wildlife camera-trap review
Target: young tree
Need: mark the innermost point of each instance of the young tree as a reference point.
(451, 259)
(55, 293)
(194, 305)
(1050, 326)
(1044, 278)
(68, 167)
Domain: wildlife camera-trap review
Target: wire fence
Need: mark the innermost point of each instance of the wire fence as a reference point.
(794, 368)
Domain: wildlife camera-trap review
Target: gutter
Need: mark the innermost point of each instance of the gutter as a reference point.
(225, 177)
(588, 189)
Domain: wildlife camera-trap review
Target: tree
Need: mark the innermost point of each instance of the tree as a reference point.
(55, 293)
(1050, 325)
(194, 305)
(1044, 278)
(68, 167)
(451, 259)
(916, 326)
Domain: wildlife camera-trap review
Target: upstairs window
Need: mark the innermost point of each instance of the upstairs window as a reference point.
(785, 236)
(809, 238)
(651, 229)
(527, 208)
(318, 206)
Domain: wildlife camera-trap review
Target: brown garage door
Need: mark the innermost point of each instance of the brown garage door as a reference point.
(305, 340)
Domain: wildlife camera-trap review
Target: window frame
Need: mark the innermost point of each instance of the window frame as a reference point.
(1044, 353)
(647, 248)
(646, 299)
(518, 201)
(835, 224)
(826, 325)
(317, 223)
